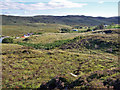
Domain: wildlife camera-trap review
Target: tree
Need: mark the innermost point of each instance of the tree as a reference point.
(7, 40)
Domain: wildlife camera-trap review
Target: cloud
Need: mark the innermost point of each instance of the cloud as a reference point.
(101, 2)
(53, 4)
(64, 4)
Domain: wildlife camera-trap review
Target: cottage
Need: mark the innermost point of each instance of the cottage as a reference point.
(17, 37)
(75, 30)
(24, 36)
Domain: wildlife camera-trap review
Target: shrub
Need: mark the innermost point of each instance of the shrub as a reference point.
(7, 40)
(65, 30)
(89, 30)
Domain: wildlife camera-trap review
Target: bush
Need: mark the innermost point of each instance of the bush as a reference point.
(89, 30)
(7, 40)
(65, 30)
(47, 46)
(39, 33)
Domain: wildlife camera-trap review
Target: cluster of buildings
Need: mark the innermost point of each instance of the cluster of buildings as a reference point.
(24, 36)
(27, 35)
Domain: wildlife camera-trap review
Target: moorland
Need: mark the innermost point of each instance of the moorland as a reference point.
(62, 52)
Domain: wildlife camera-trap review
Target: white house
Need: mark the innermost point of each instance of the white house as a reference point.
(75, 30)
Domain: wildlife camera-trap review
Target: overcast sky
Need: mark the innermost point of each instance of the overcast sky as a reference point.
(104, 8)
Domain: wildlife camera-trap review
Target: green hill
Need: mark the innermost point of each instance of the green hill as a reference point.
(65, 20)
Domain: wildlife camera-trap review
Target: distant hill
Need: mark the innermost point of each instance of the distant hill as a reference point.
(65, 20)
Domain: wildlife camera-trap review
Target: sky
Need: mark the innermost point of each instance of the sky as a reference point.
(102, 8)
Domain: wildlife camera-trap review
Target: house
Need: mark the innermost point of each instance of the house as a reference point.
(105, 25)
(24, 36)
(75, 30)
(17, 37)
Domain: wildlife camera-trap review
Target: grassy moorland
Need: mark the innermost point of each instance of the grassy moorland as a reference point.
(91, 56)
(56, 56)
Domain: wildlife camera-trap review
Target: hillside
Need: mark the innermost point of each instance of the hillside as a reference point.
(56, 56)
(20, 30)
(92, 57)
(65, 20)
